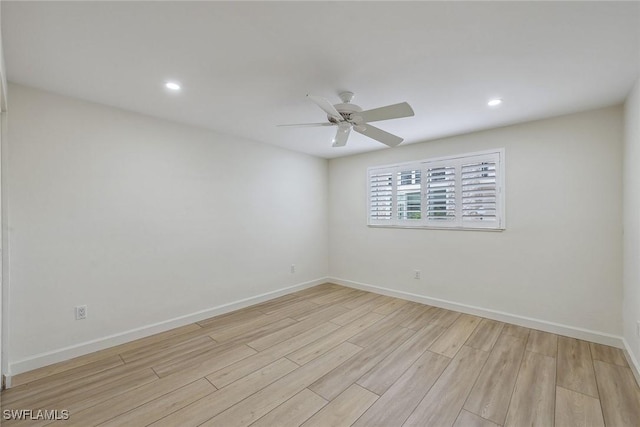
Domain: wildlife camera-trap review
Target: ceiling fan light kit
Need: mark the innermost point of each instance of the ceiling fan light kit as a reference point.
(347, 116)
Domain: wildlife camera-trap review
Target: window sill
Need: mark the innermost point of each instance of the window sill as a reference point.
(426, 227)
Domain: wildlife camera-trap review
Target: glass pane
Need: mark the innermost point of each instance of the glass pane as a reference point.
(408, 195)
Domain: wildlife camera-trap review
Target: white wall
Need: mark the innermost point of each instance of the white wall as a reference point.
(560, 259)
(631, 185)
(145, 220)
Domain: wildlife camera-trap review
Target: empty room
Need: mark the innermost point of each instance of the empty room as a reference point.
(342, 213)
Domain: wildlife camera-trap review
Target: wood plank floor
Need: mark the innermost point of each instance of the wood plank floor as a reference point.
(334, 356)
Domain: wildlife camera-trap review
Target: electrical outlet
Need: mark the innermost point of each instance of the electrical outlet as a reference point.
(293, 268)
(81, 312)
(416, 274)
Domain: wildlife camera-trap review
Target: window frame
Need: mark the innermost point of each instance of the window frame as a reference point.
(455, 161)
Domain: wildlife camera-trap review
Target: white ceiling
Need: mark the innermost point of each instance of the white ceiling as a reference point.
(246, 66)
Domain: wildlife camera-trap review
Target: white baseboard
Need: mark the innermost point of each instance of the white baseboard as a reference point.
(542, 325)
(633, 362)
(66, 353)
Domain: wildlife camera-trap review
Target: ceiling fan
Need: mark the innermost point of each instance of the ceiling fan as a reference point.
(347, 116)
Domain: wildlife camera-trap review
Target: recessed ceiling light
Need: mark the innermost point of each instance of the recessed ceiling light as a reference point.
(172, 86)
(494, 102)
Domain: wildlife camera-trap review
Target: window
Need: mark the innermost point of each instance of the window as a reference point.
(459, 192)
(408, 194)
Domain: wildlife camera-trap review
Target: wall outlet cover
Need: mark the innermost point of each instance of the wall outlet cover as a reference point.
(81, 312)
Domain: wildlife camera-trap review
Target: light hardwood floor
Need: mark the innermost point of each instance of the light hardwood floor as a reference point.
(334, 356)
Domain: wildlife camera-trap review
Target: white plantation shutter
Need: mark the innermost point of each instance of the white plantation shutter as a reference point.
(479, 193)
(440, 194)
(380, 197)
(458, 192)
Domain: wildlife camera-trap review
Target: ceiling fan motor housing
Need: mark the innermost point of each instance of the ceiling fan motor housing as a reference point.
(345, 110)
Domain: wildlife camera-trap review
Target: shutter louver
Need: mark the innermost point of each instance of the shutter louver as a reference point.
(440, 193)
(381, 196)
(479, 191)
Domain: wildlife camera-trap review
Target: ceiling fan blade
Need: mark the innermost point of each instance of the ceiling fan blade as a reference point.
(378, 134)
(326, 106)
(395, 111)
(344, 129)
(306, 125)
